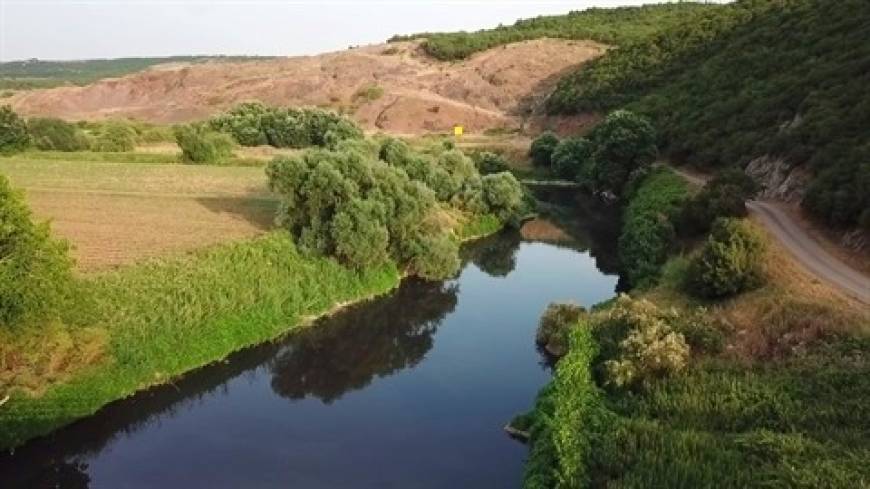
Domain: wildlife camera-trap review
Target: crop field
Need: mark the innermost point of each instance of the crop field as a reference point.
(117, 213)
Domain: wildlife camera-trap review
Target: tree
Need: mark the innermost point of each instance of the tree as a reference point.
(35, 269)
(542, 148)
(13, 131)
(571, 157)
(361, 238)
(488, 162)
(624, 143)
(116, 136)
(504, 196)
(730, 261)
(723, 196)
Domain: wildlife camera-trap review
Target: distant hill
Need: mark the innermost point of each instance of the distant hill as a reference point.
(783, 80)
(36, 73)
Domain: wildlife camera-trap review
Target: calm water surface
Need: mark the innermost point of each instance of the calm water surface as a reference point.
(408, 391)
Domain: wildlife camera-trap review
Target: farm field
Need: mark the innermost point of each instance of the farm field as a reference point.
(117, 213)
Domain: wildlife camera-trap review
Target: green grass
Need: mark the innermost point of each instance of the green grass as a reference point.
(124, 157)
(479, 226)
(165, 318)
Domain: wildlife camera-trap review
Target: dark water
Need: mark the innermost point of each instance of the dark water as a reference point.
(408, 391)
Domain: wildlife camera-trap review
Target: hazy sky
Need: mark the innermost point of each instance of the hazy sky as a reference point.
(77, 29)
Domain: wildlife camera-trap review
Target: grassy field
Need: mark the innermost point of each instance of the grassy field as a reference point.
(117, 213)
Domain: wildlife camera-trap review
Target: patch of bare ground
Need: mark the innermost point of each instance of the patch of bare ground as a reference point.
(544, 230)
(492, 89)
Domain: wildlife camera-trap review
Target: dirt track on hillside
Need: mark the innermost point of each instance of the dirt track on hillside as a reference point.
(491, 89)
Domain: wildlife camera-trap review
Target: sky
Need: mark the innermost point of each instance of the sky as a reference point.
(86, 29)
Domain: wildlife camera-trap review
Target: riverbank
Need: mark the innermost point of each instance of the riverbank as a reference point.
(774, 378)
(148, 324)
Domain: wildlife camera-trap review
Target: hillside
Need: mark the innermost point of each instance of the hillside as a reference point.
(780, 87)
(38, 73)
(394, 87)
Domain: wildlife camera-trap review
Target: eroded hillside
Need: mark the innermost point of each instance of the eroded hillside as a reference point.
(393, 87)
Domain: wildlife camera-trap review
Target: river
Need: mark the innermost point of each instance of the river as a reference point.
(410, 390)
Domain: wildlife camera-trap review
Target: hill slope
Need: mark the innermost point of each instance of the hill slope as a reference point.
(769, 84)
(392, 87)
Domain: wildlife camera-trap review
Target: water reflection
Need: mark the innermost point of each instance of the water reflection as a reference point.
(496, 255)
(378, 338)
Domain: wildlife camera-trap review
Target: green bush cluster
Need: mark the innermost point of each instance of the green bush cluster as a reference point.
(723, 196)
(199, 144)
(366, 204)
(554, 326)
(115, 136)
(607, 25)
(749, 79)
(13, 131)
(52, 134)
(648, 230)
(730, 261)
(488, 162)
(572, 159)
(254, 124)
(35, 270)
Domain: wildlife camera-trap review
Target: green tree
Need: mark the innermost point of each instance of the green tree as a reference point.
(723, 196)
(35, 270)
(624, 143)
(488, 162)
(361, 238)
(13, 131)
(504, 196)
(200, 144)
(572, 159)
(542, 148)
(53, 134)
(116, 136)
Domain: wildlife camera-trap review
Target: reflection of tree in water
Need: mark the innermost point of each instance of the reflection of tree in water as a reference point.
(66, 475)
(347, 351)
(496, 255)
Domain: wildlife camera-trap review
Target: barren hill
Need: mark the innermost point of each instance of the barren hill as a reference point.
(393, 87)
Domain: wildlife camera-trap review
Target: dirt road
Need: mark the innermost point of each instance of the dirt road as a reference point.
(804, 248)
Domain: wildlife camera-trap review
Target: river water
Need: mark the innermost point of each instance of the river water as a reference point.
(407, 391)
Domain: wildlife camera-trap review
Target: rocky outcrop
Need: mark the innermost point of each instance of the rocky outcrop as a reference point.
(780, 180)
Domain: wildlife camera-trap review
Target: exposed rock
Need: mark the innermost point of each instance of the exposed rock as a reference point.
(779, 179)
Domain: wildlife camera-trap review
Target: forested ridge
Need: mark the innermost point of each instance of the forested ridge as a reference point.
(785, 78)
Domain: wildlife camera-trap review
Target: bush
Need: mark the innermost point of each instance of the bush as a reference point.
(555, 324)
(650, 349)
(361, 238)
(730, 261)
(116, 137)
(52, 134)
(436, 257)
(13, 131)
(488, 162)
(572, 159)
(542, 148)
(723, 196)
(35, 270)
(624, 144)
(201, 145)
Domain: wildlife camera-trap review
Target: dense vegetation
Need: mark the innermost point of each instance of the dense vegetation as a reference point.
(254, 124)
(200, 144)
(34, 73)
(730, 84)
(610, 26)
(729, 262)
(367, 203)
(13, 131)
(50, 134)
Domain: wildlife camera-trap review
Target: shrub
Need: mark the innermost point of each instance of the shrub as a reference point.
(52, 134)
(436, 256)
(488, 162)
(116, 137)
(361, 237)
(201, 145)
(35, 270)
(542, 148)
(554, 326)
(13, 131)
(624, 143)
(571, 158)
(730, 261)
(723, 196)
(369, 93)
(650, 349)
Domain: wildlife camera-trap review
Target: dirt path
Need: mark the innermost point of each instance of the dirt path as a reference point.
(802, 246)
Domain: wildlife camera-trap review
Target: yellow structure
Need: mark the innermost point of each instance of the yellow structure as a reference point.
(457, 130)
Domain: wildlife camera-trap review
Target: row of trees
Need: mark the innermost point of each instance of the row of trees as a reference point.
(365, 202)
